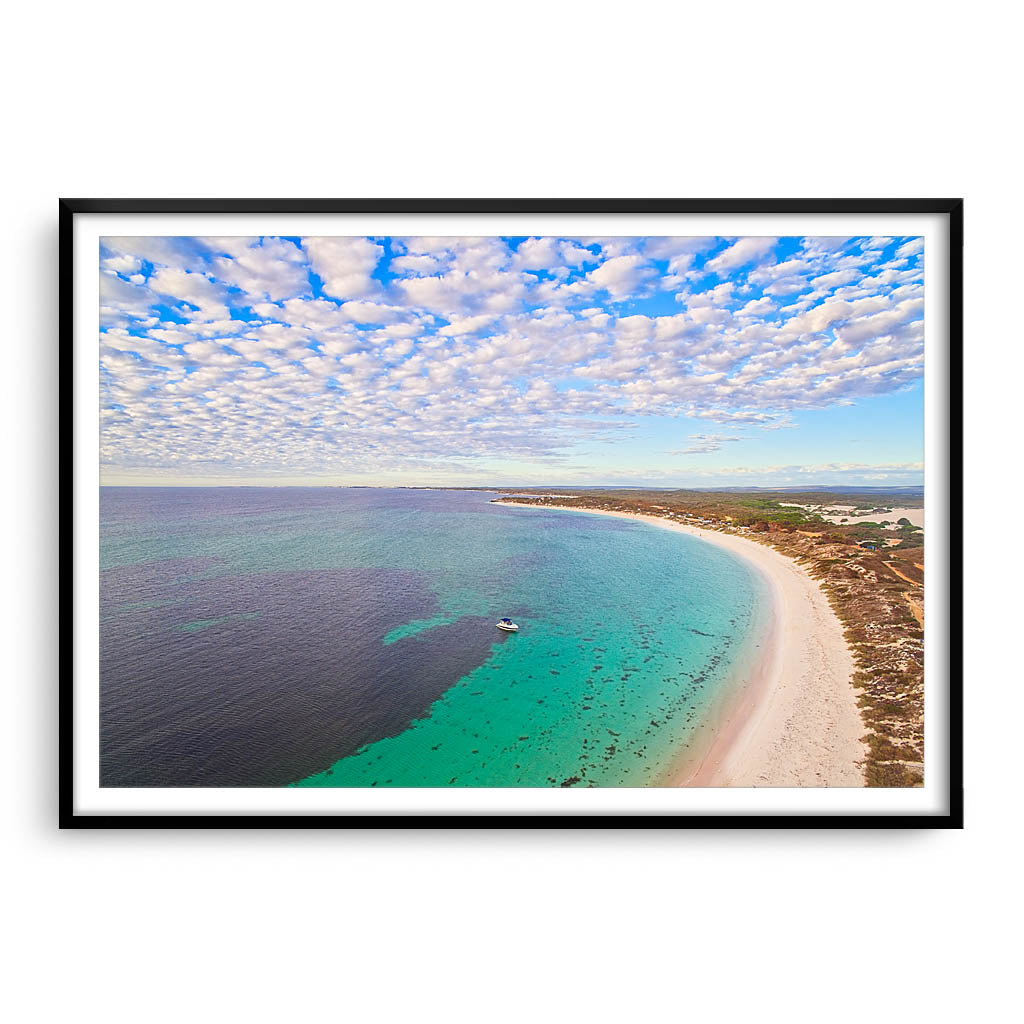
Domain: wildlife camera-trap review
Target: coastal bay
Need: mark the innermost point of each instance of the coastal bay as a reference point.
(332, 637)
(794, 720)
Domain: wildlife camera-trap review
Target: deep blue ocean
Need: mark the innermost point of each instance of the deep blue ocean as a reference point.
(346, 637)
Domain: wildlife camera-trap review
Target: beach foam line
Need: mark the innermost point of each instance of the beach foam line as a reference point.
(794, 721)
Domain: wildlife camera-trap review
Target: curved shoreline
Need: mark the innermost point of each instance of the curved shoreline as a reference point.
(794, 721)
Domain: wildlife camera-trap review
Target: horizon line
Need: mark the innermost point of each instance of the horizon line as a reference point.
(506, 487)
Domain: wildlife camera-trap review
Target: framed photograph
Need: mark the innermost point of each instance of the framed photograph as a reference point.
(521, 513)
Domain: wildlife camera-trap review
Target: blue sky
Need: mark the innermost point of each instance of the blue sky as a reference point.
(616, 360)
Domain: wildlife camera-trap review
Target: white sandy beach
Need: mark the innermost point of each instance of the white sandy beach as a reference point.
(795, 722)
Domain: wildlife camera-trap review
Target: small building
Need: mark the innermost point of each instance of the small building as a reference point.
(868, 545)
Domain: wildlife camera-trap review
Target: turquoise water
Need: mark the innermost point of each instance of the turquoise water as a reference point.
(345, 637)
(628, 633)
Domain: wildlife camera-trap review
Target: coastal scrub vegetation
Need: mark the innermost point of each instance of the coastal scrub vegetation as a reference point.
(877, 590)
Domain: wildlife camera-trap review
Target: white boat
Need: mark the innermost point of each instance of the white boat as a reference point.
(508, 625)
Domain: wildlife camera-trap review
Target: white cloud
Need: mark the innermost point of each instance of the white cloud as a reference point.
(273, 269)
(826, 282)
(467, 324)
(193, 288)
(344, 265)
(621, 276)
(155, 249)
(876, 325)
(706, 443)
(680, 253)
(786, 285)
(120, 299)
(817, 246)
(415, 265)
(574, 255)
(122, 264)
(539, 254)
(757, 307)
(372, 313)
(740, 253)
(911, 248)
(465, 293)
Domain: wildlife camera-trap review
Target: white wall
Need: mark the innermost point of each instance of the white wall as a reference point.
(195, 99)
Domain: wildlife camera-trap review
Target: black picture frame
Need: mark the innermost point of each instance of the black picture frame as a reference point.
(950, 208)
